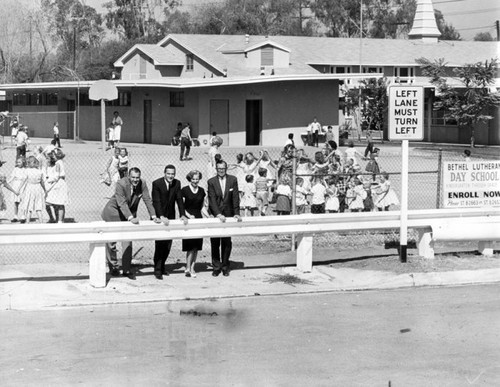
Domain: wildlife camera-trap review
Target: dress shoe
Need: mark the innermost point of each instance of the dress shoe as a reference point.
(114, 272)
(158, 276)
(165, 272)
(215, 273)
(129, 274)
(225, 273)
(187, 273)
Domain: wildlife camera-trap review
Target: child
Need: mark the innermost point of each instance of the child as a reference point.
(321, 166)
(466, 155)
(33, 192)
(123, 163)
(332, 204)
(372, 165)
(318, 192)
(266, 162)
(368, 201)
(248, 201)
(385, 195)
(262, 191)
(110, 135)
(352, 153)
(283, 197)
(16, 181)
(240, 175)
(3, 183)
(300, 196)
(355, 195)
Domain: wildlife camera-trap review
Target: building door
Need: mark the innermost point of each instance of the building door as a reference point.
(148, 121)
(219, 119)
(253, 121)
(70, 119)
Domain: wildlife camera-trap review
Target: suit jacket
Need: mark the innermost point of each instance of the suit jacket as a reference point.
(121, 206)
(227, 204)
(164, 201)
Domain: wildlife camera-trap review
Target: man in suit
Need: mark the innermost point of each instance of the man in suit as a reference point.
(223, 201)
(122, 207)
(166, 193)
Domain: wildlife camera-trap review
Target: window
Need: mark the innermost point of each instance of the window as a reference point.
(267, 56)
(340, 69)
(176, 99)
(438, 119)
(34, 99)
(189, 62)
(404, 74)
(371, 70)
(123, 99)
(86, 101)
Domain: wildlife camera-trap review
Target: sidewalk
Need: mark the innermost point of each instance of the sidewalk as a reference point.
(44, 286)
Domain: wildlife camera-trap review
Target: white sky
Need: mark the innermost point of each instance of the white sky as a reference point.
(468, 16)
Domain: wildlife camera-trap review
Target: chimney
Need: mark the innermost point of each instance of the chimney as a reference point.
(247, 39)
(424, 24)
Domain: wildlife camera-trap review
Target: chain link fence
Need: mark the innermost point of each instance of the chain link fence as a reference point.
(88, 195)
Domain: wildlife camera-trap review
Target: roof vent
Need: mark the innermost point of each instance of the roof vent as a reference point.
(424, 24)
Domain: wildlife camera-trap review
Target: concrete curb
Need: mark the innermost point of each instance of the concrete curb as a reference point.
(19, 291)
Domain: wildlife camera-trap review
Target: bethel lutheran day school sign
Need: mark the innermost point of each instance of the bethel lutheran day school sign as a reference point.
(471, 184)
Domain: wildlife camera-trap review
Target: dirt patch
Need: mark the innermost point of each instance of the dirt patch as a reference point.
(447, 261)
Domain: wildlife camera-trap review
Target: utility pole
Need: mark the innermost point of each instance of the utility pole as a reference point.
(497, 25)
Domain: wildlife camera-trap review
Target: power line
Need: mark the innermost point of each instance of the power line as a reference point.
(491, 26)
(457, 13)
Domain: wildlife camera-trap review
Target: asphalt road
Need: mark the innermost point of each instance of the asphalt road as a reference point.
(412, 337)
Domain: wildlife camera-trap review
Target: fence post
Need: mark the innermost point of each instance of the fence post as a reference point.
(304, 253)
(294, 192)
(97, 265)
(440, 171)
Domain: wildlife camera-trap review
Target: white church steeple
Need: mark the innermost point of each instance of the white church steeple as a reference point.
(424, 24)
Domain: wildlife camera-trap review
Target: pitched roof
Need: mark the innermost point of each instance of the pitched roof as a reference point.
(159, 55)
(305, 51)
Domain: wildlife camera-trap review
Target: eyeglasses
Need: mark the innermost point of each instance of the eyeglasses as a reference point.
(221, 169)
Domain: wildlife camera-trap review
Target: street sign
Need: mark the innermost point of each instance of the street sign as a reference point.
(406, 113)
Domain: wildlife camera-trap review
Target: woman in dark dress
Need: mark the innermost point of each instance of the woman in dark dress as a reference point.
(194, 205)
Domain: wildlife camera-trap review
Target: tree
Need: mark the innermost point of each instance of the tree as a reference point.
(374, 103)
(138, 19)
(448, 32)
(254, 17)
(341, 17)
(26, 46)
(73, 24)
(483, 37)
(469, 104)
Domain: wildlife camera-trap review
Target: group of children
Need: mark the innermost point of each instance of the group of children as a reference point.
(331, 182)
(37, 183)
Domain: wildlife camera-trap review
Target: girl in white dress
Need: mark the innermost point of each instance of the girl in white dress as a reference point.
(385, 196)
(216, 142)
(355, 195)
(111, 175)
(3, 183)
(33, 192)
(16, 181)
(332, 197)
(249, 202)
(56, 187)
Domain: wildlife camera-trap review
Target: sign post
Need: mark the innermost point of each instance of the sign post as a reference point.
(406, 122)
(103, 90)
